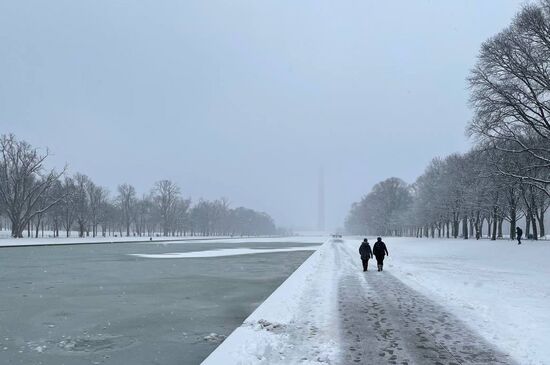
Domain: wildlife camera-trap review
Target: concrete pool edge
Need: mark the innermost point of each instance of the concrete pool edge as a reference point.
(266, 331)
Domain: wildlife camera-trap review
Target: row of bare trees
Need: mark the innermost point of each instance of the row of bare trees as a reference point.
(382, 211)
(462, 195)
(505, 178)
(36, 199)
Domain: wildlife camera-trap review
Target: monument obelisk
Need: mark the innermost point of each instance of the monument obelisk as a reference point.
(321, 201)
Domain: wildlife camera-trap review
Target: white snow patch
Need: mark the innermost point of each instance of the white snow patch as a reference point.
(222, 252)
(214, 337)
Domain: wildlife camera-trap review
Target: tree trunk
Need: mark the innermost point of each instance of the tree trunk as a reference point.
(476, 225)
(494, 235)
(481, 220)
(16, 230)
(81, 229)
(456, 223)
(513, 219)
(37, 229)
(465, 227)
(534, 223)
(540, 218)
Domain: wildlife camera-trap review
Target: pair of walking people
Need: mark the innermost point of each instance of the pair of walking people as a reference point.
(379, 250)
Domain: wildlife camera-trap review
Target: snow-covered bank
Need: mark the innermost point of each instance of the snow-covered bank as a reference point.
(499, 289)
(21, 242)
(295, 324)
(222, 253)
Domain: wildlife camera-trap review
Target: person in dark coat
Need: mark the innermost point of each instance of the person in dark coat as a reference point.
(519, 233)
(366, 254)
(380, 251)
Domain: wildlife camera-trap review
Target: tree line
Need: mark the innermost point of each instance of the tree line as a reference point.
(35, 199)
(505, 177)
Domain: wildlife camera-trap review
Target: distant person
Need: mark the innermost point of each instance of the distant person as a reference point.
(519, 233)
(380, 251)
(366, 254)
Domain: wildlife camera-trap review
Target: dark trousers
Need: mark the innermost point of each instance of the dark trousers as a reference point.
(380, 260)
(365, 264)
(519, 240)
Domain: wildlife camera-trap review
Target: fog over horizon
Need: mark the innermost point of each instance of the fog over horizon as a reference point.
(244, 100)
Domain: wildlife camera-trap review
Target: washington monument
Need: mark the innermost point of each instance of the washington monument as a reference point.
(321, 201)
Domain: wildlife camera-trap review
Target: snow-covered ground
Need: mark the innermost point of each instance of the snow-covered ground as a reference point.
(8, 242)
(499, 289)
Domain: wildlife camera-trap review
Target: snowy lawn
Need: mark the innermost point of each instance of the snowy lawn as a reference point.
(501, 290)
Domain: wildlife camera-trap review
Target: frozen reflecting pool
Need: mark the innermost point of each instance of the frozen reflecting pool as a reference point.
(97, 304)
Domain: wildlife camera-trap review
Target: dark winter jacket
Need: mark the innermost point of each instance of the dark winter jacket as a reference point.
(365, 251)
(379, 249)
(519, 232)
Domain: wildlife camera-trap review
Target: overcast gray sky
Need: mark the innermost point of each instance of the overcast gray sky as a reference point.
(244, 99)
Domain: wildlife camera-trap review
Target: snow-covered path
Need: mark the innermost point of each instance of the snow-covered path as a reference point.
(383, 321)
(438, 302)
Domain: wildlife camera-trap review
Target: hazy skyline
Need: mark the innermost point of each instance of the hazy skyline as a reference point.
(245, 100)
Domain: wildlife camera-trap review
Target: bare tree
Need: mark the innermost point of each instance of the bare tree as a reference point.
(55, 214)
(165, 196)
(127, 202)
(510, 94)
(68, 205)
(97, 197)
(82, 203)
(24, 183)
